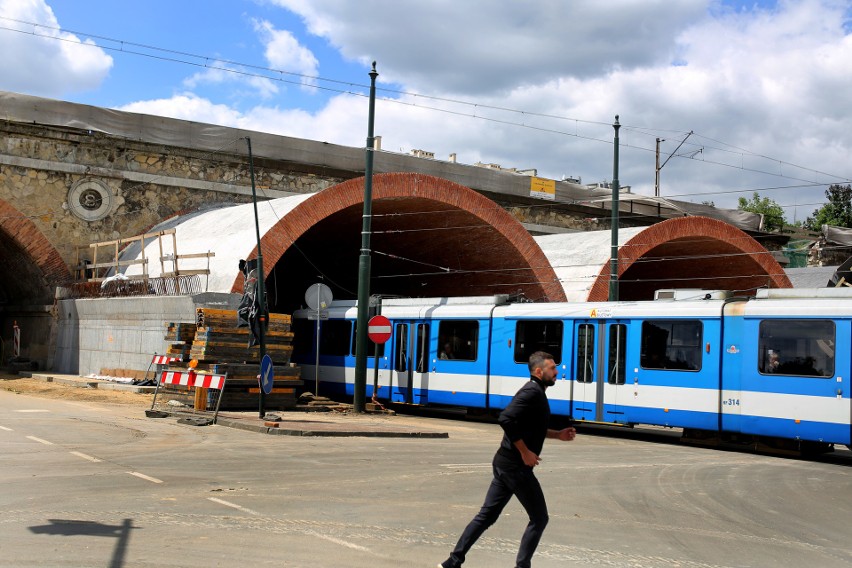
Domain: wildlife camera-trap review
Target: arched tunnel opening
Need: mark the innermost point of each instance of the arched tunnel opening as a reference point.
(31, 270)
(692, 262)
(691, 252)
(419, 247)
(23, 283)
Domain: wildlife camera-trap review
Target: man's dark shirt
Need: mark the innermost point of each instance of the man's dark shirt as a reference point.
(526, 418)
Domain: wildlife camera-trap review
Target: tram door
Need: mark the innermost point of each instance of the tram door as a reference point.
(614, 388)
(599, 372)
(410, 370)
(585, 392)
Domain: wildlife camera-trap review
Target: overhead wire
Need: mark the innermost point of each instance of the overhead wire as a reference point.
(206, 64)
(203, 61)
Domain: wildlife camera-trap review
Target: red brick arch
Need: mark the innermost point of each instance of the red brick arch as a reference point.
(508, 235)
(38, 249)
(691, 252)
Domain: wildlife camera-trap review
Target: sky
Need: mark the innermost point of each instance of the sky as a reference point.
(745, 95)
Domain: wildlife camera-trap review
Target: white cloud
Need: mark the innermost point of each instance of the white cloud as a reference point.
(220, 73)
(763, 88)
(187, 106)
(485, 47)
(284, 52)
(67, 66)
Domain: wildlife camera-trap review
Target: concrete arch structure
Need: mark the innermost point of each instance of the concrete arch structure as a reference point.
(32, 264)
(421, 220)
(690, 252)
(431, 237)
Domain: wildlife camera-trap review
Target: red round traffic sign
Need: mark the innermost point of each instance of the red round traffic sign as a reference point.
(379, 329)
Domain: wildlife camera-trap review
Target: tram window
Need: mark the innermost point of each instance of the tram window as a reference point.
(804, 348)
(334, 337)
(422, 349)
(458, 339)
(532, 336)
(617, 354)
(371, 346)
(585, 353)
(401, 345)
(671, 344)
(303, 337)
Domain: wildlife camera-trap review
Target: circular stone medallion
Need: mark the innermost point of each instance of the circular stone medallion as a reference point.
(90, 199)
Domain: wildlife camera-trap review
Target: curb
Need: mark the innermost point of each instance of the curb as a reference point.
(278, 431)
(85, 383)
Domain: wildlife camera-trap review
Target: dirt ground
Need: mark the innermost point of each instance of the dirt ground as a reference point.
(34, 387)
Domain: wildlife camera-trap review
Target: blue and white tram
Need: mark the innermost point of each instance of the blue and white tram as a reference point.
(777, 365)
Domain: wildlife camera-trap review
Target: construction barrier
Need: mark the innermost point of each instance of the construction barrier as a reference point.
(193, 379)
(16, 341)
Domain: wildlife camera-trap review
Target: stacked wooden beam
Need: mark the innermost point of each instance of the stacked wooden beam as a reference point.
(180, 335)
(219, 346)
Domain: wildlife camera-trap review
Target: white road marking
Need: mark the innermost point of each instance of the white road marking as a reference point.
(351, 545)
(233, 505)
(86, 457)
(40, 441)
(6, 429)
(145, 477)
(32, 410)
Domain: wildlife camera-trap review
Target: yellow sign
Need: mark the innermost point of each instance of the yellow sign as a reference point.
(543, 188)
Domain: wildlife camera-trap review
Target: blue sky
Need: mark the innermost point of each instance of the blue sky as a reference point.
(763, 85)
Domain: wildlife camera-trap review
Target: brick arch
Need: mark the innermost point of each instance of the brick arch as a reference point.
(690, 252)
(392, 191)
(39, 252)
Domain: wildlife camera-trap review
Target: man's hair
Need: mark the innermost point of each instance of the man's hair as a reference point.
(537, 360)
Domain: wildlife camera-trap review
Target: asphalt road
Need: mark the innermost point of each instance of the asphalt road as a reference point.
(84, 484)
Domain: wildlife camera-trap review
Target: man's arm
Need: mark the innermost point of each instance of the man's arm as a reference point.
(528, 456)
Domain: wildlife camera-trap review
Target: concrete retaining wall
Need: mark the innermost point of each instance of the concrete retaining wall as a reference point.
(122, 333)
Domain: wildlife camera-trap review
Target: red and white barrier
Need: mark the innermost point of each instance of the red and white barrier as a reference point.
(16, 341)
(164, 359)
(192, 379)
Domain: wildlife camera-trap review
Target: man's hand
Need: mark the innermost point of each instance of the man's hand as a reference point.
(530, 458)
(566, 434)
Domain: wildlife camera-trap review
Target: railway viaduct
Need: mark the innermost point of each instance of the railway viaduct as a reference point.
(72, 175)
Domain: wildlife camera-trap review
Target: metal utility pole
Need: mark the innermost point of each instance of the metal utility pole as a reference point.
(613, 255)
(657, 170)
(661, 166)
(364, 260)
(261, 295)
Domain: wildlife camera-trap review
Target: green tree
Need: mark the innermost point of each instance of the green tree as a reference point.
(773, 214)
(837, 212)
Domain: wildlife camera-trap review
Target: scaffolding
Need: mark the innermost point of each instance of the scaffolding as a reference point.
(101, 262)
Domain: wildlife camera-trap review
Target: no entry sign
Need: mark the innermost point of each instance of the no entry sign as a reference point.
(379, 329)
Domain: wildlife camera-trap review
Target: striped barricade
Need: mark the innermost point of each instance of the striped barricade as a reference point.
(164, 359)
(192, 379)
(159, 360)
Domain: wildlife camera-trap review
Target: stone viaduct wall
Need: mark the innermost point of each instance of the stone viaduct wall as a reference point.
(72, 175)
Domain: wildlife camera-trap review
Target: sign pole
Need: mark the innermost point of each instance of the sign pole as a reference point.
(318, 301)
(316, 369)
(364, 260)
(613, 255)
(261, 299)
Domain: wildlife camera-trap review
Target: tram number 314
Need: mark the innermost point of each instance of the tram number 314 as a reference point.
(731, 402)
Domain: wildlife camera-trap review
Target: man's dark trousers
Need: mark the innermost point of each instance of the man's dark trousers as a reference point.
(522, 483)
